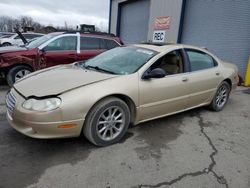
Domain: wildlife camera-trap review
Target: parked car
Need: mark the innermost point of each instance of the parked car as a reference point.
(6, 34)
(16, 40)
(102, 96)
(52, 49)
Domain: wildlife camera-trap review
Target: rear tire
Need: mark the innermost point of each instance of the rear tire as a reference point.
(17, 73)
(221, 97)
(107, 122)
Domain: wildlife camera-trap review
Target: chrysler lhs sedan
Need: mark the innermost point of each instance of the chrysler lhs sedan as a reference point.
(100, 97)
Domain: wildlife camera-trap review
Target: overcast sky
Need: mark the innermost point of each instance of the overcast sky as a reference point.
(56, 12)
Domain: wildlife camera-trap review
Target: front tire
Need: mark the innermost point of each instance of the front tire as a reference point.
(221, 97)
(17, 73)
(107, 122)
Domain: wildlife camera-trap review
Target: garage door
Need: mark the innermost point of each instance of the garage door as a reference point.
(134, 21)
(221, 26)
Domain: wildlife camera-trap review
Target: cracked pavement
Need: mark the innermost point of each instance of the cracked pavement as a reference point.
(197, 148)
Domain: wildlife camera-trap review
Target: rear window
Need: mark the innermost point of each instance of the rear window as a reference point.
(110, 44)
(90, 43)
(31, 36)
(200, 60)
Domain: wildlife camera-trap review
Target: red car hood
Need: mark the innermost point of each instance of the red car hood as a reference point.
(12, 49)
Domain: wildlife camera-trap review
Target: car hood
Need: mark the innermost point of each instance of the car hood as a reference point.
(11, 49)
(54, 81)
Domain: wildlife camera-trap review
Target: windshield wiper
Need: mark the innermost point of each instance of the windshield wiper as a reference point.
(99, 69)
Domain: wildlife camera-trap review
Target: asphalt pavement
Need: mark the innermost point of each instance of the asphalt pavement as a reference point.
(197, 148)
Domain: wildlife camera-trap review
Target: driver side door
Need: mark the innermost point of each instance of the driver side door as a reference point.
(62, 50)
(163, 96)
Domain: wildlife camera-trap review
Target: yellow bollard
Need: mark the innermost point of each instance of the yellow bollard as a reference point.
(247, 77)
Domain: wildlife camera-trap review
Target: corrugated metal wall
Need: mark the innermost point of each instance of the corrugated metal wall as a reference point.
(171, 8)
(221, 26)
(134, 21)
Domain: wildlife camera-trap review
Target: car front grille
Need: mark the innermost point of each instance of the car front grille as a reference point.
(10, 103)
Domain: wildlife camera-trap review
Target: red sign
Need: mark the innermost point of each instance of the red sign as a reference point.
(162, 22)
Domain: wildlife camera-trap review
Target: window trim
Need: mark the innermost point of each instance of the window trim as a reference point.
(201, 52)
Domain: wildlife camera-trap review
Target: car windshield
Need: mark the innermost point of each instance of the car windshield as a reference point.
(120, 60)
(39, 41)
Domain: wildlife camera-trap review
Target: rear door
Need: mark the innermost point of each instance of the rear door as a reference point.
(62, 50)
(204, 77)
(90, 47)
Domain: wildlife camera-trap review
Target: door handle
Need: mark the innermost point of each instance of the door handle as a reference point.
(72, 56)
(217, 73)
(184, 79)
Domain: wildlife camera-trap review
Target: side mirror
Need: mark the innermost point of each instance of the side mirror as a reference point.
(42, 50)
(155, 73)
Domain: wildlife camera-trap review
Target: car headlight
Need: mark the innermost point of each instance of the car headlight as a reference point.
(42, 105)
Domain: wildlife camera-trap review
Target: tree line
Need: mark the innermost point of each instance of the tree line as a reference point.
(9, 24)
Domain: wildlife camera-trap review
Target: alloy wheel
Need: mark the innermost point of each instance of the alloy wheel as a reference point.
(21, 74)
(221, 96)
(110, 123)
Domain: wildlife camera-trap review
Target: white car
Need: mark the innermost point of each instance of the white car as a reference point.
(16, 40)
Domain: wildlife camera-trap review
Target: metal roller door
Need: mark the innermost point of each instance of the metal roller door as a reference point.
(221, 26)
(134, 17)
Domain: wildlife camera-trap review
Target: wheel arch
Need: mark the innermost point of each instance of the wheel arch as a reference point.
(18, 64)
(6, 43)
(229, 81)
(126, 99)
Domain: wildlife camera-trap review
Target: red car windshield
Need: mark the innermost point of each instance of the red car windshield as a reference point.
(36, 43)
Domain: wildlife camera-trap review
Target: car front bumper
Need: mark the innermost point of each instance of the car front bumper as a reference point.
(46, 130)
(42, 125)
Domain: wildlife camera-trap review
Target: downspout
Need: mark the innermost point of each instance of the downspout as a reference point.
(110, 9)
(183, 8)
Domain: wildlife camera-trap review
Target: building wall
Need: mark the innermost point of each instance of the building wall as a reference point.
(114, 15)
(170, 8)
(222, 27)
(158, 8)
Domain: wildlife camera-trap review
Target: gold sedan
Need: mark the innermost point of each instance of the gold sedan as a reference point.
(126, 85)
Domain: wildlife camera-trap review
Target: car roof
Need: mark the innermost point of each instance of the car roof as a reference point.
(32, 33)
(162, 48)
(91, 34)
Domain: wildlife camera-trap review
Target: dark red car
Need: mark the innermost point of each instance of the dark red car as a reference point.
(52, 49)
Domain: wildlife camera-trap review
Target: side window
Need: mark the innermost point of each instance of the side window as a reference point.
(31, 36)
(90, 43)
(62, 44)
(17, 37)
(110, 44)
(36, 35)
(27, 36)
(200, 60)
(172, 63)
